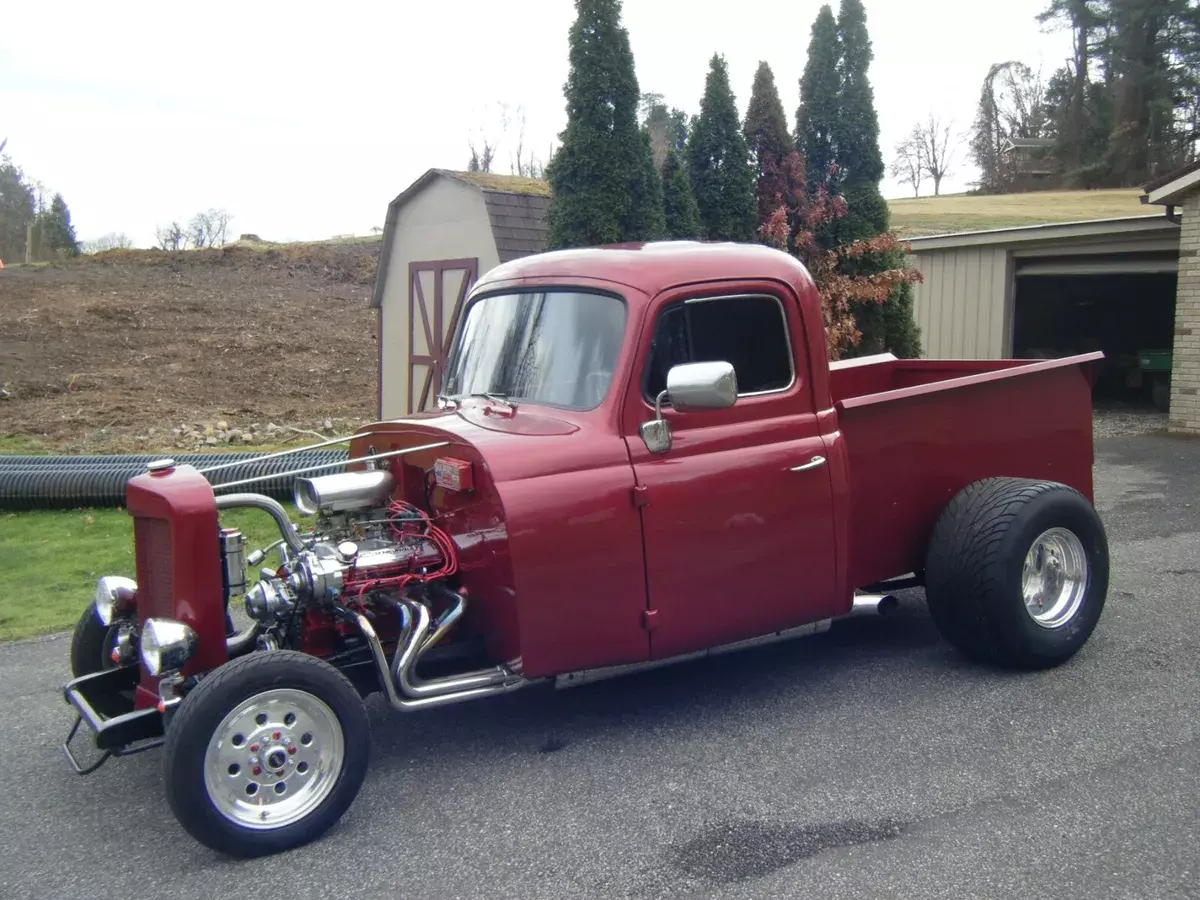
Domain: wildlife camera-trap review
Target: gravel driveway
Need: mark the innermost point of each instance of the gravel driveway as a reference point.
(871, 761)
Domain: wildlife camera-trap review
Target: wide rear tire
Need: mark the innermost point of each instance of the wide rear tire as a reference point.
(266, 753)
(1017, 572)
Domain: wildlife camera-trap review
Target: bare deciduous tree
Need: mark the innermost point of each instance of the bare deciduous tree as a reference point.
(938, 145)
(209, 228)
(170, 237)
(481, 161)
(519, 164)
(908, 167)
(115, 240)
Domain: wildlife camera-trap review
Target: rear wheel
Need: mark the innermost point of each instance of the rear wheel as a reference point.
(1017, 572)
(266, 753)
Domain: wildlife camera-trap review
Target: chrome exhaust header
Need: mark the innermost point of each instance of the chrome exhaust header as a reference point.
(404, 690)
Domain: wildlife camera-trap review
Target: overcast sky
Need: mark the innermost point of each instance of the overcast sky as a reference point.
(304, 121)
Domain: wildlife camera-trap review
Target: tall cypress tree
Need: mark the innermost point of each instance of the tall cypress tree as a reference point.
(766, 126)
(719, 164)
(604, 185)
(767, 136)
(58, 233)
(679, 204)
(891, 325)
(820, 90)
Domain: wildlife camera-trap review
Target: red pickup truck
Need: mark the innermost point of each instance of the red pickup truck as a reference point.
(640, 454)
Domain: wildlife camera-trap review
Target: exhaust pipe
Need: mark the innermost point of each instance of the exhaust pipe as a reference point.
(405, 692)
(872, 605)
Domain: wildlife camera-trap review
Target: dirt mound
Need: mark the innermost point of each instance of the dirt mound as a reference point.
(96, 352)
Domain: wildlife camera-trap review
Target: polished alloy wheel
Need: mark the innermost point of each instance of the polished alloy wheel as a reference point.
(1054, 578)
(273, 759)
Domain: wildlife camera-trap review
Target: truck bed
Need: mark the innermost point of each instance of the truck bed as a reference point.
(916, 432)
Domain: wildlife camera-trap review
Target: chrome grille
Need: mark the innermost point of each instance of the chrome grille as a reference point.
(152, 545)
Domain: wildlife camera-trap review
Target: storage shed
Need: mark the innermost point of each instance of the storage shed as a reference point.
(440, 235)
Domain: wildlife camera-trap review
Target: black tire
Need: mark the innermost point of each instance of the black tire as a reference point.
(198, 718)
(91, 644)
(974, 571)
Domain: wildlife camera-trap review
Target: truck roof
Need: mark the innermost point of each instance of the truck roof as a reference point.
(653, 266)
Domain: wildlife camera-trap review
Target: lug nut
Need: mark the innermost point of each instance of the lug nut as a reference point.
(275, 736)
(256, 770)
(254, 748)
(291, 750)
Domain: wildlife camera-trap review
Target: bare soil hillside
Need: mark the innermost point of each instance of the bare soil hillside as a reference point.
(97, 352)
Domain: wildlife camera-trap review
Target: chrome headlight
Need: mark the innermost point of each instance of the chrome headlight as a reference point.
(166, 645)
(114, 595)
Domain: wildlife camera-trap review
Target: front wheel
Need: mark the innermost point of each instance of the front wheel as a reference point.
(266, 753)
(92, 644)
(1017, 572)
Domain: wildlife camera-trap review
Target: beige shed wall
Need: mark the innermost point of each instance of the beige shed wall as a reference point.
(1185, 361)
(962, 304)
(445, 220)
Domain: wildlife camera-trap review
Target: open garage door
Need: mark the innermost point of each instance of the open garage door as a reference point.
(1124, 306)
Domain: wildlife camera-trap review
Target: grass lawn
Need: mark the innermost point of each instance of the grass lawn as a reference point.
(50, 560)
(960, 212)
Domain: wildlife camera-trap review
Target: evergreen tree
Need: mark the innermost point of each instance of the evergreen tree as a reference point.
(679, 204)
(820, 90)
(718, 162)
(766, 125)
(602, 178)
(768, 141)
(58, 234)
(18, 206)
(890, 325)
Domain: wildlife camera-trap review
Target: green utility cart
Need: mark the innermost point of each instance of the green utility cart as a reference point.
(1155, 366)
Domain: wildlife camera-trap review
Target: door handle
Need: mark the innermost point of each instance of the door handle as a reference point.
(815, 463)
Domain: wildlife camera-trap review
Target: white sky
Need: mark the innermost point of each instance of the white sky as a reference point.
(304, 121)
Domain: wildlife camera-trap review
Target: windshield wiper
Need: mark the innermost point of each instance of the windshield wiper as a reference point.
(487, 395)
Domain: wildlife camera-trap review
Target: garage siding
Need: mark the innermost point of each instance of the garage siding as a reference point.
(961, 305)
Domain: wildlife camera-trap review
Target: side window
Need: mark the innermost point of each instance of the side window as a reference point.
(749, 332)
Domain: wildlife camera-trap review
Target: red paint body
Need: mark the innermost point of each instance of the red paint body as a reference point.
(580, 548)
(178, 564)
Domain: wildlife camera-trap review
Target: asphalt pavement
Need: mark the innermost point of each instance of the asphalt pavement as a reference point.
(871, 761)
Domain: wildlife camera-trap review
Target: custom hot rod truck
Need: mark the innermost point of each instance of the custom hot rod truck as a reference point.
(639, 454)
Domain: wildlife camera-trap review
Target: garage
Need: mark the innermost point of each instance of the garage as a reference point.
(1125, 308)
(1055, 290)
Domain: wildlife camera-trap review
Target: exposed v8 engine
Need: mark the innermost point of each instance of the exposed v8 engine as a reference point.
(366, 549)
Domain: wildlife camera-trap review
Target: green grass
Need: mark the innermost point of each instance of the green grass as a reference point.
(960, 212)
(22, 444)
(50, 560)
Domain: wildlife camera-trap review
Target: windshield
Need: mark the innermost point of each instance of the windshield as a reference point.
(555, 347)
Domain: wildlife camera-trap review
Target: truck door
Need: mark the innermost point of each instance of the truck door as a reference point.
(737, 515)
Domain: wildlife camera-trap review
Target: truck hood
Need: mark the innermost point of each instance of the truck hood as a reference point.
(527, 442)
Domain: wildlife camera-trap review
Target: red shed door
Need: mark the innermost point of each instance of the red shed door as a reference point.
(738, 520)
(436, 291)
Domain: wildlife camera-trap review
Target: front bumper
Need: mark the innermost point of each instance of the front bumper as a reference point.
(102, 702)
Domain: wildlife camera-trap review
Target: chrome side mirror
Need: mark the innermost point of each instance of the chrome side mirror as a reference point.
(691, 387)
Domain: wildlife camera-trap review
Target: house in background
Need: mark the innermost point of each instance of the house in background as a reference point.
(1030, 165)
